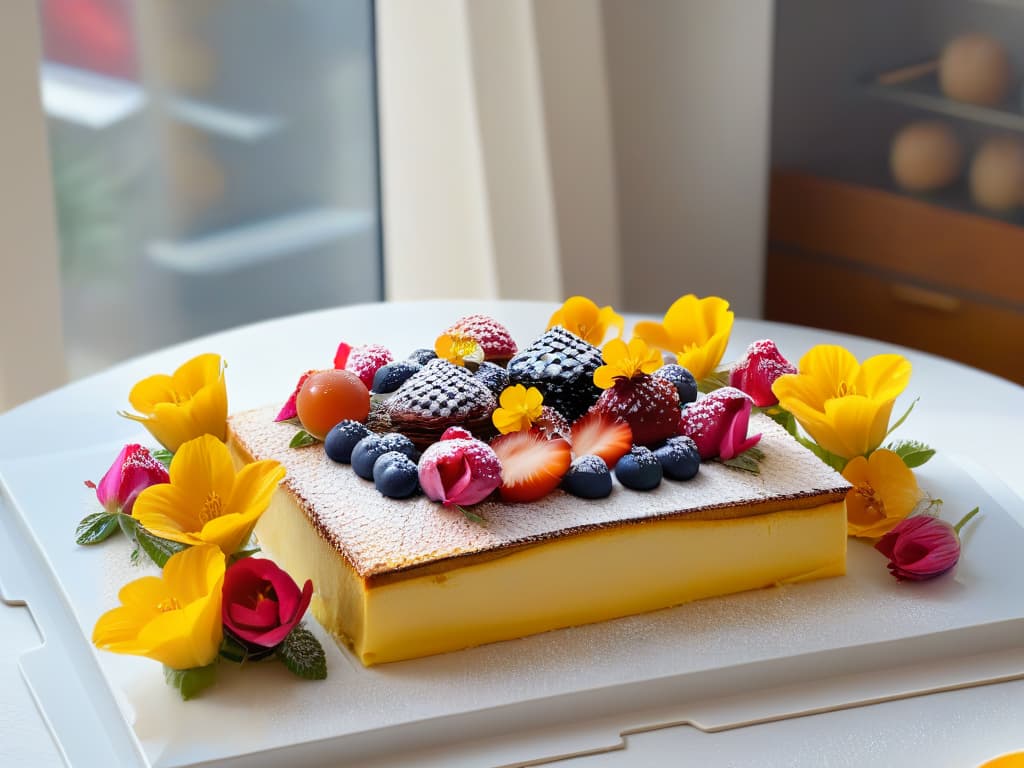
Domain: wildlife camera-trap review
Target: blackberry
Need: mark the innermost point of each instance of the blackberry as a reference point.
(493, 376)
(561, 365)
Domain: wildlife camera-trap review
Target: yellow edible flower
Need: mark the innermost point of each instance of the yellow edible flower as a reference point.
(190, 402)
(581, 316)
(458, 348)
(206, 502)
(624, 361)
(174, 618)
(520, 407)
(844, 405)
(695, 330)
(884, 492)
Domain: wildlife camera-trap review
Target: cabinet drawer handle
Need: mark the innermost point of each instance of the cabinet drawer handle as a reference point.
(922, 297)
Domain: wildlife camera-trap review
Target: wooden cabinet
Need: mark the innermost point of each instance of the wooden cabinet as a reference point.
(879, 264)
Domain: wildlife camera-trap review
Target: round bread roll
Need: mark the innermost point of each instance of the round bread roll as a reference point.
(997, 174)
(976, 69)
(925, 156)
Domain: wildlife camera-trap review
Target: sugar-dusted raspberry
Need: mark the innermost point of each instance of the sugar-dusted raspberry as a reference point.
(363, 361)
(494, 337)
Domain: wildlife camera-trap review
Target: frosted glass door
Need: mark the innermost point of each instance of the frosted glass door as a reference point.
(215, 163)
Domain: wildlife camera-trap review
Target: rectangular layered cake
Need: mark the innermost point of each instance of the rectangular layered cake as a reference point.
(399, 579)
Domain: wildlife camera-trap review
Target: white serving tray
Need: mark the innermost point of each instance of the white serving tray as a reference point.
(715, 664)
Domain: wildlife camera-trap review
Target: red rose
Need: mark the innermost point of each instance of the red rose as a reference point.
(262, 603)
(757, 371)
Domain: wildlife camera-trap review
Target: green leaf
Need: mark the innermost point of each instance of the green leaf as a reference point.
(189, 682)
(714, 380)
(913, 452)
(302, 439)
(232, 650)
(159, 550)
(744, 462)
(902, 418)
(749, 461)
(241, 554)
(163, 456)
(838, 463)
(129, 525)
(471, 516)
(97, 527)
(784, 419)
(302, 653)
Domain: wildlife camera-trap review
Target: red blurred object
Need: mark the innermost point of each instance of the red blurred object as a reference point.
(97, 35)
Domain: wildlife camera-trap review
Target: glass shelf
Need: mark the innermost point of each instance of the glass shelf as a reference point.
(924, 93)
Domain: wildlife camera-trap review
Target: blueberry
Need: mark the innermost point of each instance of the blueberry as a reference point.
(679, 457)
(588, 477)
(639, 469)
(422, 356)
(395, 475)
(494, 377)
(390, 377)
(681, 379)
(342, 439)
(367, 450)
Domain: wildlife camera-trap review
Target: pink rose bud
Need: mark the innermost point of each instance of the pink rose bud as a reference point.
(718, 423)
(922, 547)
(459, 471)
(758, 369)
(262, 603)
(132, 472)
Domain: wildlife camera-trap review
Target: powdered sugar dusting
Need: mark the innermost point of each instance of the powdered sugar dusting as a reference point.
(377, 534)
(494, 337)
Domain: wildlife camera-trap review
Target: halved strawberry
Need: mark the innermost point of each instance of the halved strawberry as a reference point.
(531, 465)
(602, 435)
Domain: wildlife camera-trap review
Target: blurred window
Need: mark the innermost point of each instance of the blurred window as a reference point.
(214, 163)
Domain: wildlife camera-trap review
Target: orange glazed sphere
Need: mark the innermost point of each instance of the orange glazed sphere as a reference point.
(328, 397)
(975, 69)
(925, 156)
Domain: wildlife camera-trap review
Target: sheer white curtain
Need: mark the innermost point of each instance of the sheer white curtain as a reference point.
(31, 349)
(496, 150)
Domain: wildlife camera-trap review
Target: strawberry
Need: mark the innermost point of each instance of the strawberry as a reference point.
(602, 435)
(531, 465)
(497, 342)
(362, 361)
(649, 405)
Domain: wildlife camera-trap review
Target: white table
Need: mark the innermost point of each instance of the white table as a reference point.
(961, 411)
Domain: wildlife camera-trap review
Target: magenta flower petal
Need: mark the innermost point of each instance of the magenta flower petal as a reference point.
(132, 472)
(718, 424)
(459, 471)
(920, 547)
(758, 369)
(288, 410)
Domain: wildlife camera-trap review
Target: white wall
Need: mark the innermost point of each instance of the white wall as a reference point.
(689, 83)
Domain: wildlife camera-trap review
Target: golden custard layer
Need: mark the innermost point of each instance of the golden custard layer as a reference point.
(399, 579)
